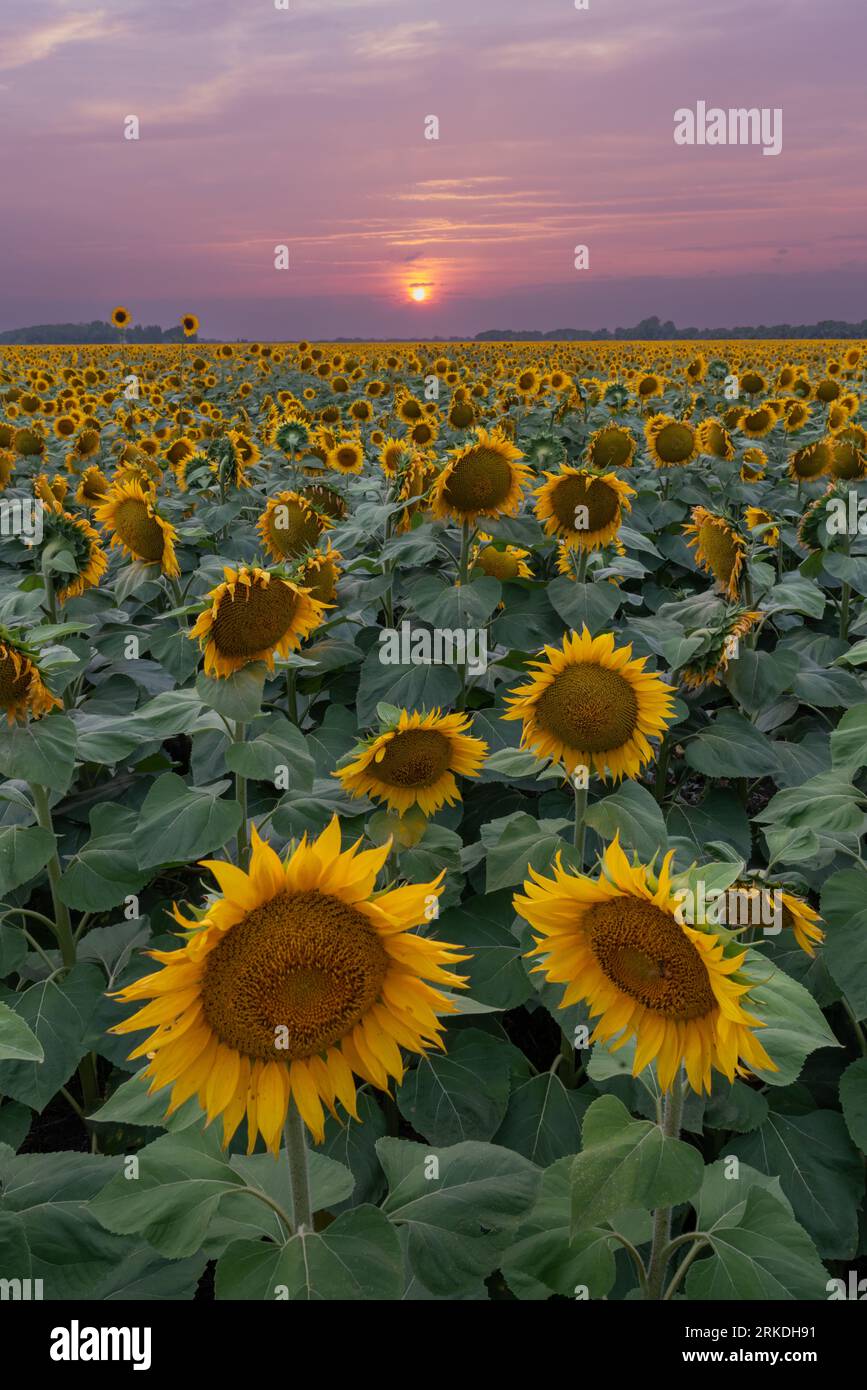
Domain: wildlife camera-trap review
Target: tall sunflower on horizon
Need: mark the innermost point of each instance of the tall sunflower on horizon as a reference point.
(297, 979)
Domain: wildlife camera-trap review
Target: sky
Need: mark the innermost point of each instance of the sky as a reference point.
(305, 127)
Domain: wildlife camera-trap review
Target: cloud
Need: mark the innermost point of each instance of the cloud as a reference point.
(45, 39)
(410, 40)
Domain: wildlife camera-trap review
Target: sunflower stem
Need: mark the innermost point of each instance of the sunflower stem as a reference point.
(580, 813)
(662, 771)
(239, 735)
(299, 1174)
(659, 1252)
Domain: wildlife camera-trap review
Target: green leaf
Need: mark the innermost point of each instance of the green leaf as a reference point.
(735, 1106)
(584, 605)
(794, 1024)
(131, 1104)
(102, 874)
(18, 1042)
(844, 908)
(828, 802)
(495, 969)
(180, 823)
(756, 679)
(820, 1171)
(459, 1206)
(411, 687)
(731, 747)
(59, 1013)
(720, 816)
(759, 1253)
(544, 1259)
(628, 1163)
(455, 606)
(795, 594)
(24, 850)
(357, 1257)
(543, 1121)
(238, 696)
(42, 751)
(827, 688)
(273, 743)
(527, 620)
(849, 741)
(459, 1095)
(634, 812)
(523, 841)
(181, 1180)
(853, 1098)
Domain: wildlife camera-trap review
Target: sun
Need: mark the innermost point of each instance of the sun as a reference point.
(418, 293)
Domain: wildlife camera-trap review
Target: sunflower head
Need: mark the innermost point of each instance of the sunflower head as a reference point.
(130, 515)
(811, 462)
(501, 562)
(719, 549)
(297, 979)
(251, 616)
(709, 664)
(758, 516)
(671, 442)
(415, 762)
(612, 446)
(23, 690)
(620, 944)
(590, 704)
(584, 508)
(76, 539)
(482, 478)
(290, 525)
(713, 439)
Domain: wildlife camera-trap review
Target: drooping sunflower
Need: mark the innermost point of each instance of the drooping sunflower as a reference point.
(804, 921)
(482, 478)
(502, 562)
(850, 454)
(811, 462)
(753, 465)
(298, 976)
(671, 443)
(320, 571)
(719, 550)
(290, 525)
(710, 663)
(251, 616)
(584, 508)
(590, 704)
(415, 763)
(612, 446)
(618, 943)
(23, 690)
(713, 439)
(130, 515)
(758, 516)
(92, 487)
(74, 536)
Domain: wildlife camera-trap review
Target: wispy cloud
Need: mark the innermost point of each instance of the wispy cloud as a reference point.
(403, 41)
(43, 40)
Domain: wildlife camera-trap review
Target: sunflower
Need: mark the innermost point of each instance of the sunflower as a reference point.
(501, 562)
(120, 317)
(619, 944)
(755, 424)
(252, 615)
(75, 537)
(709, 665)
(292, 432)
(671, 442)
(298, 976)
(289, 525)
(414, 763)
(347, 456)
(392, 455)
(612, 446)
(753, 465)
(849, 456)
(190, 325)
(804, 922)
(409, 410)
(7, 468)
(422, 434)
(797, 415)
(482, 478)
(582, 507)
(92, 487)
(137, 528)
(719, 550)
(811, 462)
(590, 704)
(320, 572)
(22, 688)
(649, 385)
(757, 516)
(713, 439)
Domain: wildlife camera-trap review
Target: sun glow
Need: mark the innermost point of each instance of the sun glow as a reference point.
(418, 293)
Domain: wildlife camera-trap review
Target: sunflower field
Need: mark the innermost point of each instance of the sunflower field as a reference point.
(434, 784)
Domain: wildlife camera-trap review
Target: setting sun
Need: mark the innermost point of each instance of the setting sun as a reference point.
(418, 293)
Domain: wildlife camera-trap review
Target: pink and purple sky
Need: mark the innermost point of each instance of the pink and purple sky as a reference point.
(306, 127)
